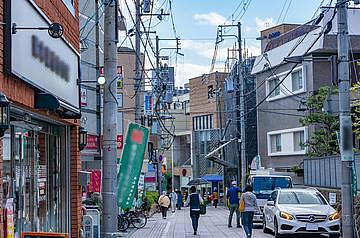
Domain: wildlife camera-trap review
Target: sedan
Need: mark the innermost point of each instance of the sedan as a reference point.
(294, 211)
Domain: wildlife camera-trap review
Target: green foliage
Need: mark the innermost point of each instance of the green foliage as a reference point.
(324, 140)
(151, 198)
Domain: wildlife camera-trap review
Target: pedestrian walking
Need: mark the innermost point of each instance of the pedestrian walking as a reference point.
(194, 200)
(179, 200)
(248, 205)
(233, 194)
(173, 199)
(215, 197)
(164, 203)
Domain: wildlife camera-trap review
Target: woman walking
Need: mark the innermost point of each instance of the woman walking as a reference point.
(194, 200)
(248, 206)
(164, 203)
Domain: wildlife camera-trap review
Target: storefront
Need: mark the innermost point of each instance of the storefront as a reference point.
(39, 152)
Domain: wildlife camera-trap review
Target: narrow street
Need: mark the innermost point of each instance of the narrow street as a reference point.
(213, 224)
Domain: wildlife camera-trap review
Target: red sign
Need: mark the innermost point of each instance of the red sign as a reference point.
(92, 142)
(150, 179)
(119, 141)
(95, 181)
(137, 136)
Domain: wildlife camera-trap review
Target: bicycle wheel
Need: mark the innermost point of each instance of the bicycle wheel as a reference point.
(123, 223)
(139, 220)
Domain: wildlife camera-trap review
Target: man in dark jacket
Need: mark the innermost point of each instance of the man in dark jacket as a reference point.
(233, 194)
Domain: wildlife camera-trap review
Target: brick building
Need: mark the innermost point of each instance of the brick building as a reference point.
(39, 153)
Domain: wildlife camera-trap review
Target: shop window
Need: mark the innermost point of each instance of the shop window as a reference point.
(36, 175)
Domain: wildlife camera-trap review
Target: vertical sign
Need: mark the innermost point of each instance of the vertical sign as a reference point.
(88, 226)
(131, 164)
(9, 216)
(119, 81)
(119, 141)
(83, 97)
(148, 104)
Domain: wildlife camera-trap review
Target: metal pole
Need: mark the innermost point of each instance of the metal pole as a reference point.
(242, 111)
(109, 226)
(97, 68)
(346, 139)
(137, 84)
(156, 98)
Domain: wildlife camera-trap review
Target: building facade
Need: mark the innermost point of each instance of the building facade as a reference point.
(283, 86)
(39, 153)
(206, 112)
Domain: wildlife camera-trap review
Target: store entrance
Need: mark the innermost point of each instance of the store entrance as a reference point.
(36, 181)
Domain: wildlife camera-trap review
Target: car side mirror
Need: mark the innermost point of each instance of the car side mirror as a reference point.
(270, 203)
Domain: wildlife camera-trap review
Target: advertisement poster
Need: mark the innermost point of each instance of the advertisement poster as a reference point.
(9, 216)
(130, 164)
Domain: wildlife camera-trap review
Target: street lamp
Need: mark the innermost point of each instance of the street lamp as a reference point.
(82, 138)
(4, 114)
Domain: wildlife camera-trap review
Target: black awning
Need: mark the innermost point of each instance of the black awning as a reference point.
(50, 102)
(46, 101)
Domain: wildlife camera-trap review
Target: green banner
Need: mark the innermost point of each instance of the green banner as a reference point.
(130, 164)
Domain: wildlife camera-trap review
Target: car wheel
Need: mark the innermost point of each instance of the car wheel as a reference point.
(265, 229)
(276, 229)
(334, 235)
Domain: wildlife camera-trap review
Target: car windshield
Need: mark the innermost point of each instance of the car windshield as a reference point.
(267, 184)
(299, 197)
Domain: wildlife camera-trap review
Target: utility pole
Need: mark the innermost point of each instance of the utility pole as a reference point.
(158, 102)
(346, 139)
(241, 103)
(97, 68)
(109, 226)
(137, 84)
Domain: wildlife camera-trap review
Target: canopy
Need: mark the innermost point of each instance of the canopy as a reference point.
(212, 178)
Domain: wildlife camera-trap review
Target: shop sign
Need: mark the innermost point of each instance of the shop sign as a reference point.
(131, 163)
(148, 104)
(9, 216)
(92, 142)
(42, 180)
(83, 97)
(119, 81)
(141, 185)
(120, 141)
(50, 65)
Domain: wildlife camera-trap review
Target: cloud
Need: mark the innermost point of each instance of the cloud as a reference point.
(262, 24)
(184, 72)
(211, 18)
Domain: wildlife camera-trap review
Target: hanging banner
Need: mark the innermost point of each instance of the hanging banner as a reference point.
(9, 218)
(131, 164)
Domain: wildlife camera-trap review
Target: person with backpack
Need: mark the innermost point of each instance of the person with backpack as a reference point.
(233, 195)
(248, 206)
(194, 200)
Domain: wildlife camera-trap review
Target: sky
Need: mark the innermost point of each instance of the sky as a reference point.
(196, 24)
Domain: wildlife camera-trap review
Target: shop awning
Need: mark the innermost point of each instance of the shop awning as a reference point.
(50, 102)
(212, 178)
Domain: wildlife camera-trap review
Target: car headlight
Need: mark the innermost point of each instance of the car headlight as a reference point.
(334, 216)
(286, 216)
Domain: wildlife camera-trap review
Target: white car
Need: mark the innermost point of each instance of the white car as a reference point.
(293, 211)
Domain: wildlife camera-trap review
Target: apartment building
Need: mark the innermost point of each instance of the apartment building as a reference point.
(284, 81)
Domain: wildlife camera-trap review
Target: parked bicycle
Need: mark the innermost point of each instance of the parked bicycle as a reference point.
(135, 218)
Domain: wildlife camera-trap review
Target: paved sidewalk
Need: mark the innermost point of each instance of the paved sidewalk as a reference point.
(178, 225)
